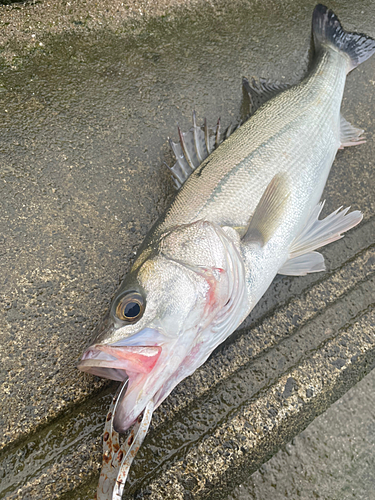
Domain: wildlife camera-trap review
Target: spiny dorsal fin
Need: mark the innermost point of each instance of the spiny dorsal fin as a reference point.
(261, 91)
(268, 212)
(194, 146)
(197, 143)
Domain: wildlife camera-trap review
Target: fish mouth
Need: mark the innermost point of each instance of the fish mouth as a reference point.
(119, 362)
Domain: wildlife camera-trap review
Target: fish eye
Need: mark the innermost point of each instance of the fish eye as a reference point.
(130, 307)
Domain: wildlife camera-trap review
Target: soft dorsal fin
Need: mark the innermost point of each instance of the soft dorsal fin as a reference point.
(261, 91)
(268, 212)
(317, 233)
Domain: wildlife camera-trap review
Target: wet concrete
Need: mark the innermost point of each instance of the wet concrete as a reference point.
(85, 117)
(333, 458)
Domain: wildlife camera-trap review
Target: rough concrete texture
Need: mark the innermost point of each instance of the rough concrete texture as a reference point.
(24, 23)
(332, 459)
(85, 115)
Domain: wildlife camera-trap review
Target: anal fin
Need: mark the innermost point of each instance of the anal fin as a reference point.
(350, 135)
(312, 262)
(317, 233)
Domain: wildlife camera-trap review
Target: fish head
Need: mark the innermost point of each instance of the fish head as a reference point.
(155, 333)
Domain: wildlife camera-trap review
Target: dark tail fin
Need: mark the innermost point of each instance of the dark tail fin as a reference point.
(327, 30)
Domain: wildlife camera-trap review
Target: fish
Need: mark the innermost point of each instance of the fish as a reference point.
(247, 208)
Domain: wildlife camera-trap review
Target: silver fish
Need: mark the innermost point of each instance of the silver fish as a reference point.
(247, 210)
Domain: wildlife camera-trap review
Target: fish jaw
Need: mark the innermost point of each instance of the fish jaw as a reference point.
(143, 387)
(119, 362)
(146, 367)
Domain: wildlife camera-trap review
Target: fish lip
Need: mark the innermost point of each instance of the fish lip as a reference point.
(119, 362)
(95, 363)
(134, 363)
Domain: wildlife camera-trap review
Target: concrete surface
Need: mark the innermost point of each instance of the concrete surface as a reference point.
(334, 458)
(86, 110)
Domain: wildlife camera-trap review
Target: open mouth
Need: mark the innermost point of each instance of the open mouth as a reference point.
(119, 362)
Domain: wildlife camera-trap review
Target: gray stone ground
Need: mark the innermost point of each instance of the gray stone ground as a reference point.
(90, 91)
(334, 458)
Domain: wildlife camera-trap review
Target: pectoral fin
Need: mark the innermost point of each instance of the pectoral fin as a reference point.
(268, 212)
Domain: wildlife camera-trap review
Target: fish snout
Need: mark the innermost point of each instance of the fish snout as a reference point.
(119, 362)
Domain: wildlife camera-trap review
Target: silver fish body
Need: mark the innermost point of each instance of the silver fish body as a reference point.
(297, 133)
(247, 212)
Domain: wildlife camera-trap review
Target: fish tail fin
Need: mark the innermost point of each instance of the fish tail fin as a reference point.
(327, 30)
